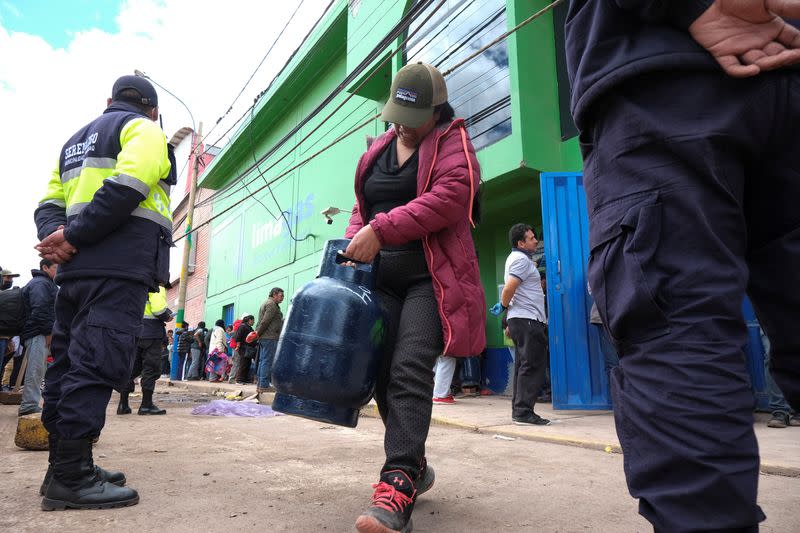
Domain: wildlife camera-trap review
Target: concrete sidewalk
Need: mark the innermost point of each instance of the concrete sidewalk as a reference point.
(491, 415)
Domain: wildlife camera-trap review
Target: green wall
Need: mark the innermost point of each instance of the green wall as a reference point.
(251, 251)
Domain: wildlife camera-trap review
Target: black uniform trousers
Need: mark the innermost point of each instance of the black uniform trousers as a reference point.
(146, 364)
(692, 181)
(404, 388)
(94, 341)
(530, 363)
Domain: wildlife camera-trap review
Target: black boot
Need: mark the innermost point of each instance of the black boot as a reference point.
(117, 478)
(123, 408)
(148, 407)
(75, 483)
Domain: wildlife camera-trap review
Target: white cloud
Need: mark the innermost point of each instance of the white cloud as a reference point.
(11, 8)
(201, 51)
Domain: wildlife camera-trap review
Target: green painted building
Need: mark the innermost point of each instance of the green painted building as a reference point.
(513, 96)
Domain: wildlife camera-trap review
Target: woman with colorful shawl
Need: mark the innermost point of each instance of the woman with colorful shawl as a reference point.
(218, 364)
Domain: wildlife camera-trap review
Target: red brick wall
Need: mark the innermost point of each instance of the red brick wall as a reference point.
(198, 280)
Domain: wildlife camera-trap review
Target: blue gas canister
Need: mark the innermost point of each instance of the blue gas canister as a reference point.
(331, 343)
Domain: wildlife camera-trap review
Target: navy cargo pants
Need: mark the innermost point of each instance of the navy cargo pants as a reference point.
(94, 340)
(147, 363)
(693, 182)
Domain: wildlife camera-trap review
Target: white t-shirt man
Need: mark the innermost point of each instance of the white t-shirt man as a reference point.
(528, 300)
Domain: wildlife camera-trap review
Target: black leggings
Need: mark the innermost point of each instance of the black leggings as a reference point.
(405, 382)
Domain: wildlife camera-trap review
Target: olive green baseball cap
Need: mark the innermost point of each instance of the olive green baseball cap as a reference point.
(416, 89)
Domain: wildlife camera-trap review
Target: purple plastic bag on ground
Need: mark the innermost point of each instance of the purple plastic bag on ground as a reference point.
(228, 408)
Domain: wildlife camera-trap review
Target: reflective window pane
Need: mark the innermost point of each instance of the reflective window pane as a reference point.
(480, 90)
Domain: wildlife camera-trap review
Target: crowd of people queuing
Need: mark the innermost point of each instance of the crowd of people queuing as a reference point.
(654, 199)
(240, 353)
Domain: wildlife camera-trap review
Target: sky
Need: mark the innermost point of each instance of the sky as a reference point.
(58, 61)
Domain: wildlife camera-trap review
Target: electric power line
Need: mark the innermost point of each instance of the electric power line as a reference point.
(257, 162)
(315, 154)
(443, 32)
(230, 107)
(449, 71)
(451, 50)
(482, 49)
(333, 57)
(401, 26)
(253, 151)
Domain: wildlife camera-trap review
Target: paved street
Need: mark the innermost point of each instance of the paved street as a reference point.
(287, 474)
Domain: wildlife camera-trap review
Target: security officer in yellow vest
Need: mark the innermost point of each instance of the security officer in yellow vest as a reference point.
(105, 219)
(148, 355)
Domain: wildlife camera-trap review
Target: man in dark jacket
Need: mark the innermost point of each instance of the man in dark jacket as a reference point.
(199, 352)
(105, 218)
(270, 322)
(184, 340)
(39, 296)
(6, 281)
(148, 355)
(688, 115)
(247, 350)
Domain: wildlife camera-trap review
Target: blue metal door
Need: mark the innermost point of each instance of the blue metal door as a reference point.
(227, 315)
(754, 352)
(576, 362)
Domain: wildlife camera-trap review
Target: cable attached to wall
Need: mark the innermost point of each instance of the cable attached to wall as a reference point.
(333, 57)
(449, 71)
(263, 59)
(269, 188)
(401, 26)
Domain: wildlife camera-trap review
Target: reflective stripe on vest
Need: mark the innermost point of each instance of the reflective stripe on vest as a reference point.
(140, 212)
(89, 162)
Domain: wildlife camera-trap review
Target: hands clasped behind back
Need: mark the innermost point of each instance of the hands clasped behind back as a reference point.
(747, 37)
(56, 248)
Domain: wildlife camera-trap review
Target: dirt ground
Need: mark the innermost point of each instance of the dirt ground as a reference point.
(284, 474)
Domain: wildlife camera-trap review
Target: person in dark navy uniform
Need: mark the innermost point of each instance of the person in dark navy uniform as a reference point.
(106, 220)
(148, 355)
(688, 116)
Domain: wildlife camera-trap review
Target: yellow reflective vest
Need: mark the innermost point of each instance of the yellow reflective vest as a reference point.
(156, 313)
(110, 190)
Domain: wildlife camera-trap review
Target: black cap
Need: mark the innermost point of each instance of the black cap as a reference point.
(140, 85)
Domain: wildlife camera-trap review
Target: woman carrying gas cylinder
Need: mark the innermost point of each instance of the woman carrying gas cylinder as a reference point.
(416, 189)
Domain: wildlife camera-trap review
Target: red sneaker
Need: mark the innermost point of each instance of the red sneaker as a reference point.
(445, 400)
(391, 507)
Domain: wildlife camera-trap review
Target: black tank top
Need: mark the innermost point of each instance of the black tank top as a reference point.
(389, 185)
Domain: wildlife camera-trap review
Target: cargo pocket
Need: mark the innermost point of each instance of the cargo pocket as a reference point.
(113, 347)
(623, 272)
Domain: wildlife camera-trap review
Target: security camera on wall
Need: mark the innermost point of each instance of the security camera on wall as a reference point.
(330, 212)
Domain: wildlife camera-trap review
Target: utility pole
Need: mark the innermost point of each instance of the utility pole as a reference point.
(187, 244)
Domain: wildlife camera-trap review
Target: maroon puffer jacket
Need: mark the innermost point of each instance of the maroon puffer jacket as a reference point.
(441, 216)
